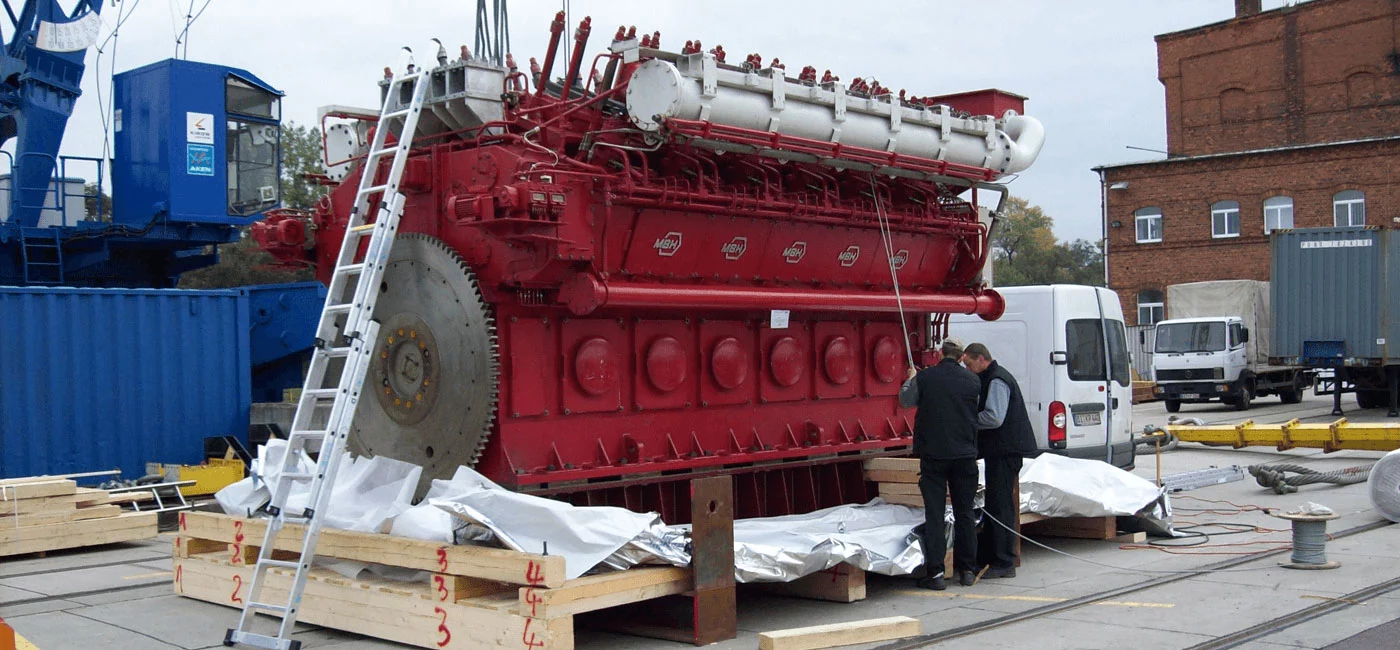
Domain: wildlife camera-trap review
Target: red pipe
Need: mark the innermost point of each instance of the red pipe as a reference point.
(580, 42)
(585, 294)
(556, 29)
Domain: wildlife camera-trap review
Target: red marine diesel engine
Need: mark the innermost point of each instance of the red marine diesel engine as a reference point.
(677, 267)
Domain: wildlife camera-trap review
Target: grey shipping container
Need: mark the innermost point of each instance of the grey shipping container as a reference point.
(1335, 296)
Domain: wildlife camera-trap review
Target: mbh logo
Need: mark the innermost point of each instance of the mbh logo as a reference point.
(849, 256)
(668, 246)
(794, 253)
(901, 257)
(735, 248)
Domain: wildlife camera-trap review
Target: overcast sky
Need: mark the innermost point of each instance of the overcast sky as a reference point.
(1089, 67)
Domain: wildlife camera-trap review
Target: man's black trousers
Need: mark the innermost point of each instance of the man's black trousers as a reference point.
(997, 545)
(939, 479)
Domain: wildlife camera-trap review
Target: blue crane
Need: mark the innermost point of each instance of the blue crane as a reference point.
(196, 156)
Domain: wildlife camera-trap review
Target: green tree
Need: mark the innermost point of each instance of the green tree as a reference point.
(242, 262)
(301, 162)
(1025, 251)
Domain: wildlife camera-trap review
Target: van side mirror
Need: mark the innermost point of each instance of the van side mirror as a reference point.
(1059, 358)
(1244, 335)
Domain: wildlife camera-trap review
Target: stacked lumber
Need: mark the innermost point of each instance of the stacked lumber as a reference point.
(40, 514)
(474, 598)
(1142, 391)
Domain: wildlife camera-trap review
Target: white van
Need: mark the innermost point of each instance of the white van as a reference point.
(1056, 340)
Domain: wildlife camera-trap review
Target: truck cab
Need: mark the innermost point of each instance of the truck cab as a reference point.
(1201, 360)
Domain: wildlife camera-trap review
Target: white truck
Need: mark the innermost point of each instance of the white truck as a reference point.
(1216, 346)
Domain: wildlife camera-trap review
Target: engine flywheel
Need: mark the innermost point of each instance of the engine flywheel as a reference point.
(433, 373)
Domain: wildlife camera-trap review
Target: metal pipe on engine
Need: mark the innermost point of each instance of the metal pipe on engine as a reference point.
(556, 30)
(576, 61)
(586, 294)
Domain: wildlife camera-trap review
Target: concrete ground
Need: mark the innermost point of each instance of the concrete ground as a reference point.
(118, 598)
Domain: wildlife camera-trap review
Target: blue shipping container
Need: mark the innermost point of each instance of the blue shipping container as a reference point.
(99, 379)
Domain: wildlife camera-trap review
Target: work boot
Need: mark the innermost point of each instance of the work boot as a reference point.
(935, 583)
(994, 572)
(966, 578)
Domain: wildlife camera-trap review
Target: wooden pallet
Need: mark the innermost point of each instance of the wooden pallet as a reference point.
(1142, 391)
(42, 514)
(475, 598)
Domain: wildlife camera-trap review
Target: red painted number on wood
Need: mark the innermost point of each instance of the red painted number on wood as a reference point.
(180, 576)
(532, 599)
(441, 588)
(237, 585)
(235, 551)
(442, 560)
(529, 638)
(533, 574)
(442, 628)
(183, 527)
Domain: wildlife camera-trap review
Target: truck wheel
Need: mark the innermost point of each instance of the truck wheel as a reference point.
(1241, 403)
(1291, 395)
(1371, 399)
(1173, 406)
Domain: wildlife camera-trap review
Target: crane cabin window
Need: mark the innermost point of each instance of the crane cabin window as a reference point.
(254, 142)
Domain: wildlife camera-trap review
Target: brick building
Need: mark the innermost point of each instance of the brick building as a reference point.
(1279, 119)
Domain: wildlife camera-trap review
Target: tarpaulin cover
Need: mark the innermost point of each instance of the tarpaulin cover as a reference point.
(1056, 486)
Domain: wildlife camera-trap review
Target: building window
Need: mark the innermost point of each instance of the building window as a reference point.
(1225, 219)
(1278, 213)
(1151, 309)
(1149, 225)
(1349, 209)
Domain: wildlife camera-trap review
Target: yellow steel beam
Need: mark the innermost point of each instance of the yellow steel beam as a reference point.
(1335, 436)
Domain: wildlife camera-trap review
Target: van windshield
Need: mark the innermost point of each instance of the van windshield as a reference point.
(1191, 337)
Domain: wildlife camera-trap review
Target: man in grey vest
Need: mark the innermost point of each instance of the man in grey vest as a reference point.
(945, 441)
(1005, 437)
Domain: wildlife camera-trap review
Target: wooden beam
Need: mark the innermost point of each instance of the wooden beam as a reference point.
(501, 565)
(839, 634)
(402, 612)
(893, 464)
(891, 476)
(842, 583)
(906, 489)
(34, 539)
(913, 500)
(604, 590)
(59, 516)
(1075, 527)
(19, 489)
(41, 504)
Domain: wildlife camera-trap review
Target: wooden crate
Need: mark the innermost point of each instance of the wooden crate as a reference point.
(42, 514)
(475, 598)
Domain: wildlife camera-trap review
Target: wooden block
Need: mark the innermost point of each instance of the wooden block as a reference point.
(906, 489)
(1129, 538)
(450, 589)
(839, 634)
(39, 505)
(20, 489)
(893, 464)
(34, 539)
(58, 517)
(1075, 527)
(187, 546)
(403, 612)
(604, 590)
(1031, 517)
(842, 583)
(890, 476)
(905, 499)
(500, 565)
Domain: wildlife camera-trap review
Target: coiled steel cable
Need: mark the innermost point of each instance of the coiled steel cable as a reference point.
(1276, 477)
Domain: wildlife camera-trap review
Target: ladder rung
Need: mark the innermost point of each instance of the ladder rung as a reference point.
(399, 113)
(256, 640)
(310, 433)
(368, 227)
(267, 607)
(321, 393)
(341, 308)
(295, 476)
(350, 268)
(374, 188)
(382, 152)
(337, 352)
(281, 564)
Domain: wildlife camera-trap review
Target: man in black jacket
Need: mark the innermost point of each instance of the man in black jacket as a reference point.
(1005, 437)
(945, 441)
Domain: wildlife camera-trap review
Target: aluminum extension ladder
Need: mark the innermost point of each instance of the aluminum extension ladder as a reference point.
(351, 340)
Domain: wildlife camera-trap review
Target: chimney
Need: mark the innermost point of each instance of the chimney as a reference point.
(1247, 7)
